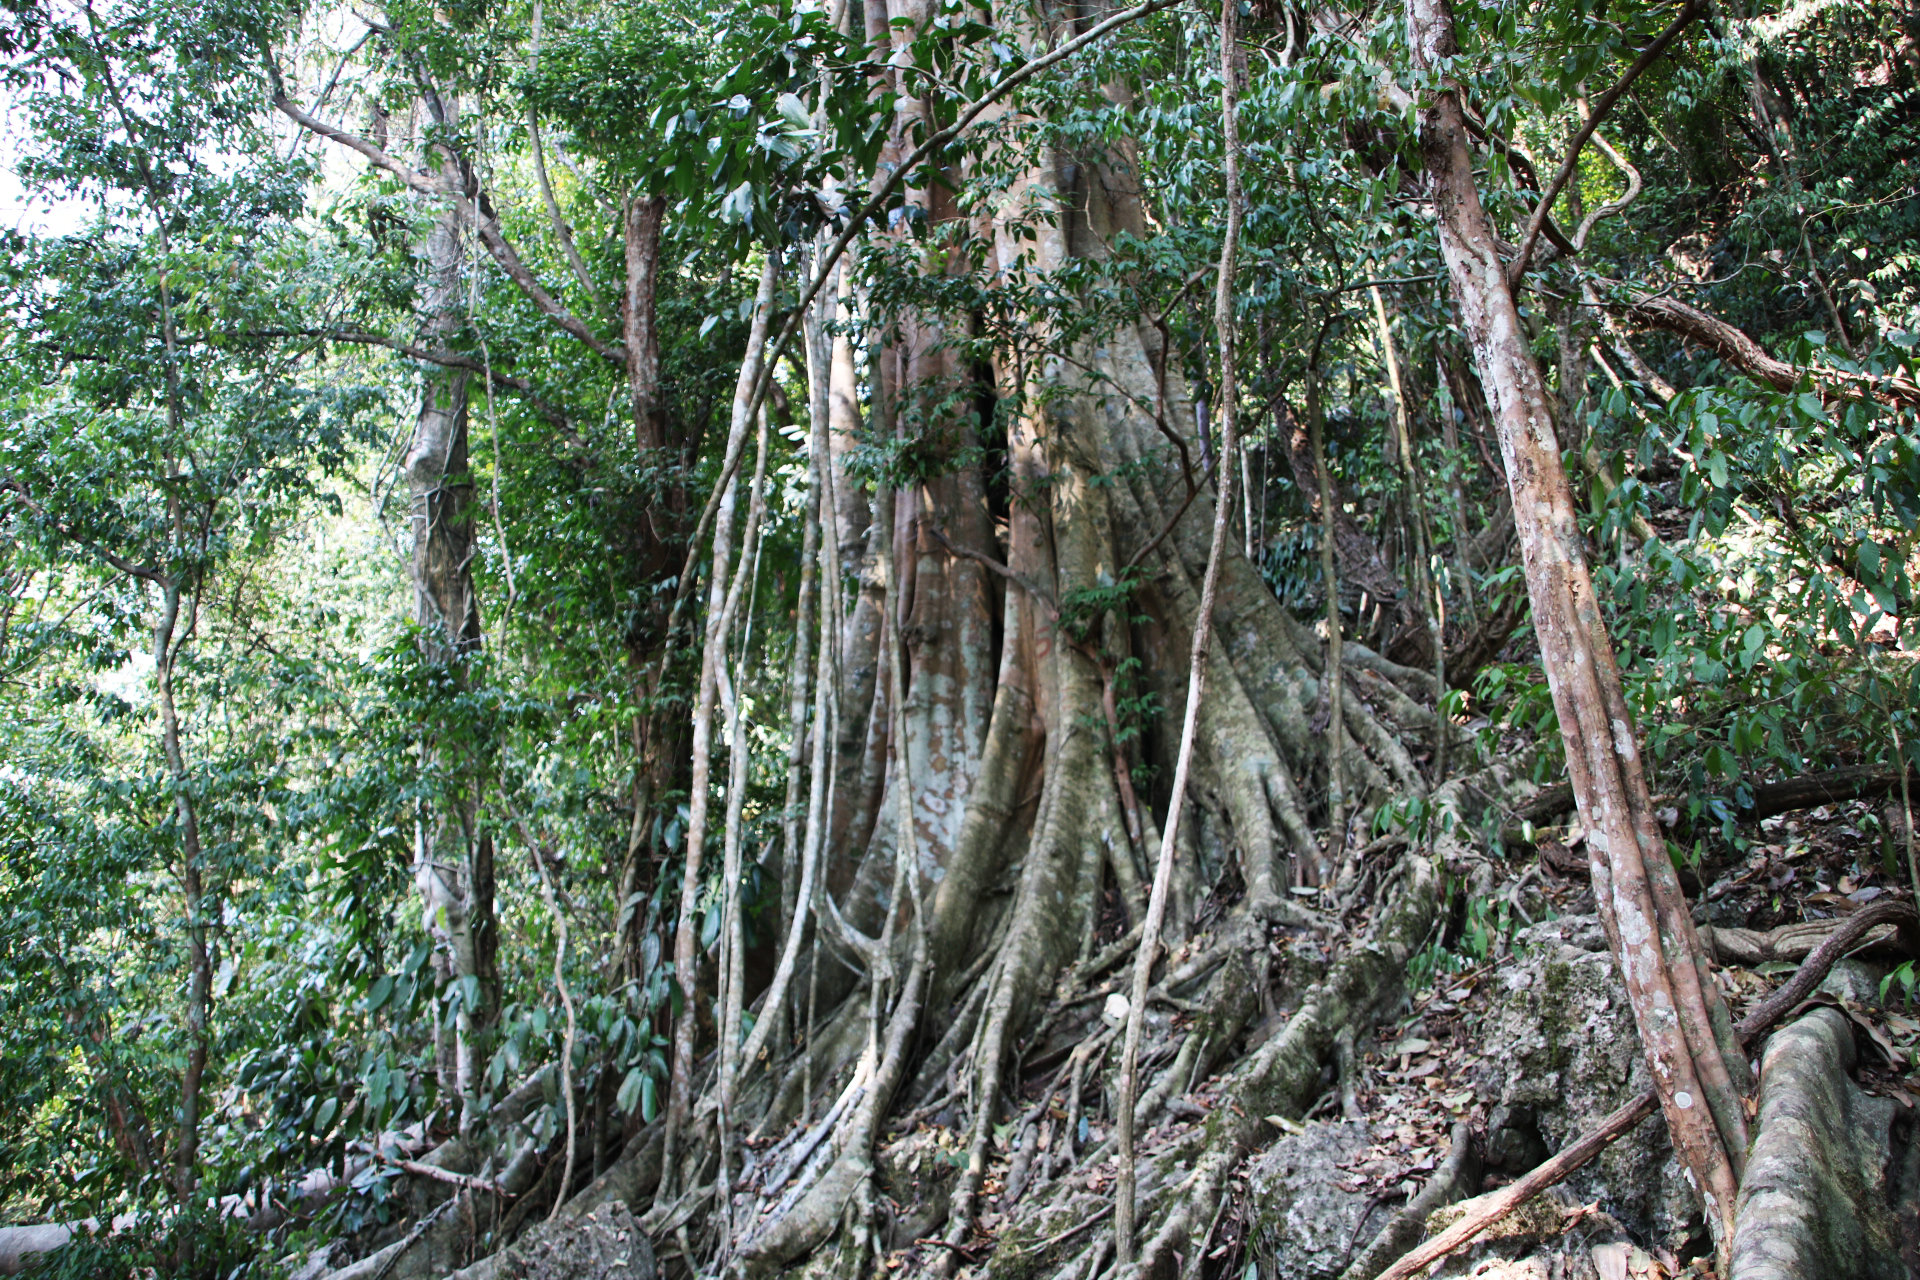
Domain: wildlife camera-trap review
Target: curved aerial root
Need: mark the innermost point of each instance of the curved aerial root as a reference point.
(803, 1226)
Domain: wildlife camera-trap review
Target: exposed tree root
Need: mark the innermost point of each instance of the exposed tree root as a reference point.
(1281, 1077)
(1453, 1180)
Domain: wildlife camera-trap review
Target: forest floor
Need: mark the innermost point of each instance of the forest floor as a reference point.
(1441, 1064)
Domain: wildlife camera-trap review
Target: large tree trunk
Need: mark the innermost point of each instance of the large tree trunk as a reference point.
(981, 848)
(1696, 1063)
(1010, 634)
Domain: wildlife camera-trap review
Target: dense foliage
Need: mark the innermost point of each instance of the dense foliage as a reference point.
(224, 725)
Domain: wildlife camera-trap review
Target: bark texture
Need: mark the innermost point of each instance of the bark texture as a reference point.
(1697, 1067)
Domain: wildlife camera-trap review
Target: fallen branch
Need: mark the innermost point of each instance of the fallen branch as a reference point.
(967, 1255)
(1741, 350)
(1061, 1237)
(1769, 799)
(1860, 782)
(1512, 1196)
(1821, 959)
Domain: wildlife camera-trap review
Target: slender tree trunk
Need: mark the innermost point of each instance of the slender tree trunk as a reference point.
(561, 231)
(1426, 580)
(453, 865)
(1335, 667)
(723, 597)
(1450, 439)
(733, 932)
(805, 839)
(132, 1134)
(1684, 1028)
(200, 906)
(814, 340)
(1361, 563)
(799, 687)
(849, 507)
(1773, 126)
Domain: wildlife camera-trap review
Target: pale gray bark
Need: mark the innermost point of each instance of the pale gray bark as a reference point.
(452, 870)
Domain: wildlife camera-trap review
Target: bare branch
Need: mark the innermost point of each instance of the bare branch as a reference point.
(449, 360)
(1740, 349)
(475, 206)
(447, 1176)
(1647, 58)
(1612, 207)
(146, 573)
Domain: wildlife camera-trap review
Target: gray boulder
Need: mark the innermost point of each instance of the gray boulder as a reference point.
(1307, 1224)
(1569, 1055)
(604, 1245)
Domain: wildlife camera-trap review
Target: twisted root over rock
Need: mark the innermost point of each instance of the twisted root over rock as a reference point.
(1186, 1179)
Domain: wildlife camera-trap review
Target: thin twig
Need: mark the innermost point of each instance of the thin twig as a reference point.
(447, 1176)
(1072, 1231)
(561, 231)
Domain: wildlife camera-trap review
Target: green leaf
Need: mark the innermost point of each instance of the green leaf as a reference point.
(793, 110)
(737, 207)
(629, 1094)
(416, 959)
(1721, 763)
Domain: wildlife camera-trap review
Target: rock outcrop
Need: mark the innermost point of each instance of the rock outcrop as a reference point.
(1308, 1223)
(1570, 1056)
